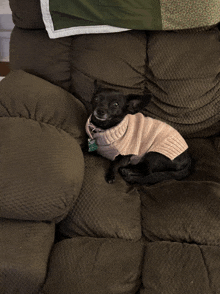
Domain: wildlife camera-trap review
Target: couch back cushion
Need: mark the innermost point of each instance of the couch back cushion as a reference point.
(180, 68)
(73, 63)
(183, 76)
(27, 14)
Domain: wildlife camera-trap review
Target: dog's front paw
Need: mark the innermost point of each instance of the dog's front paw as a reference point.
(110, 178)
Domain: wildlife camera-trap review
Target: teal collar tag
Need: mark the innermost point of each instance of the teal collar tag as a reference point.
(92, 145)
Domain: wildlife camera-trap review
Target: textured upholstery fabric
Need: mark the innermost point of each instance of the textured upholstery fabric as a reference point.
(42, 163)
(24, 254)
(103, 210)
(172, 267)
(94, 265)
(217, 143)
(23, 18)
(116, 60)
(54, 62)
(185, 89)
(194, 213)
(193, 203)
(180, 222)
(73, 63)
(183, 75)
(36, 99)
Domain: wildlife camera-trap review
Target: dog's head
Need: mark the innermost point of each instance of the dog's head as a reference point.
(109, 106)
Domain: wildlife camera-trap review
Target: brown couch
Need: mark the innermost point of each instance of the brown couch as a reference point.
(64, 230)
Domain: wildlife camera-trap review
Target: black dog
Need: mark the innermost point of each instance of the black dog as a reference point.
(110, 110)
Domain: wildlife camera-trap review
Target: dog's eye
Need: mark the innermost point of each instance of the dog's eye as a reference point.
(95, 99)
(115, 104)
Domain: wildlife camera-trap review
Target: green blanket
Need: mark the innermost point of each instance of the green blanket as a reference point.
(67, 17)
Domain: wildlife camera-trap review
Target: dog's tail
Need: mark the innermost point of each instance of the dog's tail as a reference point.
(157, 177)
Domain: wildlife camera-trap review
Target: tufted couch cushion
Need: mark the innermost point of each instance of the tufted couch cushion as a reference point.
(73, 63)
(103, 210)
(180, 222)
(55, 55)
(22, 17)
(183, 75)
(182, 85)
(42, 127)
(94, 265)
(25, 248)
(172, 267)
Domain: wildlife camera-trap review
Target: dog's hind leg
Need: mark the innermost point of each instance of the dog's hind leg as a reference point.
(134, 174)
(157, 177)
(156, 168)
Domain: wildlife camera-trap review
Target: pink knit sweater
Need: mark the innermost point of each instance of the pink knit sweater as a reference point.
(136, 135)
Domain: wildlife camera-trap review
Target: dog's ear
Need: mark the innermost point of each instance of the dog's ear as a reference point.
(135, 103)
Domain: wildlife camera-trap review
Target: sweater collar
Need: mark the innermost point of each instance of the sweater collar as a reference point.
(108, 136)
(91, 128)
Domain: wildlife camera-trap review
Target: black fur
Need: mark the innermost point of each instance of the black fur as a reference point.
(109, 107)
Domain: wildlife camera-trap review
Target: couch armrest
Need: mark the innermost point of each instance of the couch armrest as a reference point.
(42, 165)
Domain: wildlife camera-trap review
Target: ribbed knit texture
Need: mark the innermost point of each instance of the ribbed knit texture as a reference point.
(136, 135)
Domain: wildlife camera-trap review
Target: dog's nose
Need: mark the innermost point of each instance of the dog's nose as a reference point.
(101, 112)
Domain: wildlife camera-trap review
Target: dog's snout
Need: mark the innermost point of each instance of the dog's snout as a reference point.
(101, 111)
